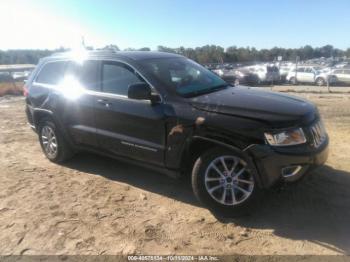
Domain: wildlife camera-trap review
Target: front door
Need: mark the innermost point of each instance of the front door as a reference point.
(343, 75)
(309, 75)
(127, 127)
(346, 76)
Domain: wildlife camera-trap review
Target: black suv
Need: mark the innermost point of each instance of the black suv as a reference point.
(168, 113)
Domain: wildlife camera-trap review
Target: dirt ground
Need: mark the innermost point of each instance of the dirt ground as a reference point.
(95, 205)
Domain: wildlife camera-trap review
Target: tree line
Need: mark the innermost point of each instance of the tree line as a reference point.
(205, 54)
(217, 54)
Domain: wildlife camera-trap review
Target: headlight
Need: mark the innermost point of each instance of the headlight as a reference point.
(286, 138)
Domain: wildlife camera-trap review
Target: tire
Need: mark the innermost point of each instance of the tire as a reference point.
(203, 175)
(320, 81)
(49, 136)
(293, 81)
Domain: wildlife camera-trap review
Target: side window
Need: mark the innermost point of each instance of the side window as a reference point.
(347, 72)
(117, 77)
(51, 73)
(86, 73)
(308, 70)
(301, 69)
(338, 71)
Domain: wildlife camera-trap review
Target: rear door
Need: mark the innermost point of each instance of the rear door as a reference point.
(46, 80)
(128, 127)
(77, 90)
(301, 74)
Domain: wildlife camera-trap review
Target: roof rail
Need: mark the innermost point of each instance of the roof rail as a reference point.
(109, 50)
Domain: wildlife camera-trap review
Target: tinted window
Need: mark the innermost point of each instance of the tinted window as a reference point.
(116, 78)
(51, 73)
(86, 73)
(347, 72)
(184, 76)
(301, 69)
(272, 69)
(338, 71)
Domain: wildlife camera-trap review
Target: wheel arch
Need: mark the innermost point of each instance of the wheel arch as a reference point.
(40, 114)
(199, 144)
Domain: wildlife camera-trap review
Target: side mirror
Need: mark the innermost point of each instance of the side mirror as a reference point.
(142, 91)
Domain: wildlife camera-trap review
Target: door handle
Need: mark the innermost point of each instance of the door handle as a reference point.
(104, 102)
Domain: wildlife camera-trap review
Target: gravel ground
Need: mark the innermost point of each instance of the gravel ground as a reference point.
(95, 205)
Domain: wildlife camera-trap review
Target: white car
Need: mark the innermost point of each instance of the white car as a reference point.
(308, 74)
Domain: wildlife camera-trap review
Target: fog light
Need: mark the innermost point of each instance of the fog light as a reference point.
(289, 171)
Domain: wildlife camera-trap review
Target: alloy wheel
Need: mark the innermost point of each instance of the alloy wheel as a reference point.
(49, 141)
(228, 181)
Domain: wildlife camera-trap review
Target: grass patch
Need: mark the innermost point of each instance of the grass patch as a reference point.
(15, 88)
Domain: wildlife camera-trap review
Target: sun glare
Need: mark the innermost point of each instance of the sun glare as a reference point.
(71, 87)
(79, 55)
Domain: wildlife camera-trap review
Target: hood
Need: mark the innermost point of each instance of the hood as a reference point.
(278, 110)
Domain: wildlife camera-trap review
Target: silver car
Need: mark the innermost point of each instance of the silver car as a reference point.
(342, 75)
(308, 74)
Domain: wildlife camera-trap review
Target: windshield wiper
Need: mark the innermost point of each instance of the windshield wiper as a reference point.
(207, 91)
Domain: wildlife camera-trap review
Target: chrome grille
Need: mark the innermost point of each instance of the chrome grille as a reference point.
(318, 134)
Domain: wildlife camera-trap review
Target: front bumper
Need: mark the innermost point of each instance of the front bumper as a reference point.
(271, 161)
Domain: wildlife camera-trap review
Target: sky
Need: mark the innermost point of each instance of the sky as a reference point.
(50, 24)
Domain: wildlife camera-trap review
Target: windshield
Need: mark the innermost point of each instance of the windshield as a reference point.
(184, 76)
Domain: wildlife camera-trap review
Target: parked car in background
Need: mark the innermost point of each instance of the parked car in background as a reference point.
(5, 77)
(342, 75)
(245, 77)
(309, 74)
(240, 76)
(284, 69)
(266, 73)
(20, 76)
(225, 73)
(341, 65)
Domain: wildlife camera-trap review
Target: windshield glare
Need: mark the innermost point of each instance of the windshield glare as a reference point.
(184, 76)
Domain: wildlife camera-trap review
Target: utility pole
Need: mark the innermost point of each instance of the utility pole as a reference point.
(296, 67)
(83, 42)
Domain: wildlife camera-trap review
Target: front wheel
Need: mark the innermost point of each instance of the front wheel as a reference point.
(226, 182)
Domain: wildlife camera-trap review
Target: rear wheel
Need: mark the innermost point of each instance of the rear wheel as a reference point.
(225, 181)
(52, 142)
(320, 81)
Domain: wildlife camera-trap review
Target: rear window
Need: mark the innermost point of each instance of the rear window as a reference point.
(86, 73)
(51, 73)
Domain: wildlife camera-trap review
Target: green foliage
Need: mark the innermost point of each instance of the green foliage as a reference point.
(111, 47)
(217, 54)
(25, 56)
(204, 54)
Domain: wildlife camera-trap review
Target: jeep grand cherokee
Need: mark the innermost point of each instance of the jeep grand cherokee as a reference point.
(166, 112)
